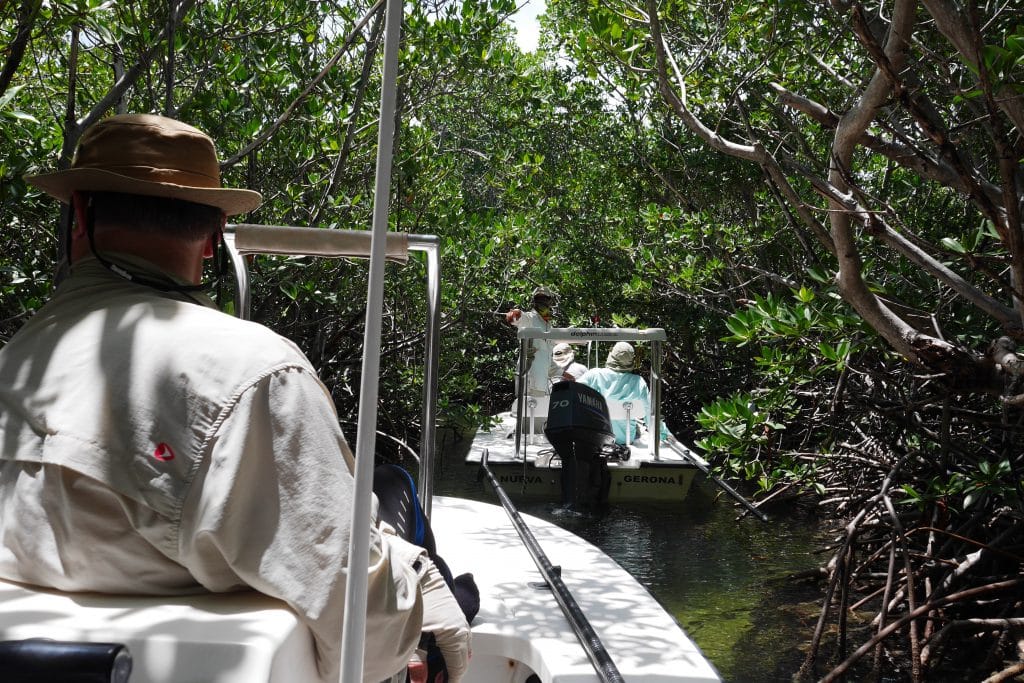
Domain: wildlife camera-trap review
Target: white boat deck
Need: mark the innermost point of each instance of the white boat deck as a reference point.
(519, 623)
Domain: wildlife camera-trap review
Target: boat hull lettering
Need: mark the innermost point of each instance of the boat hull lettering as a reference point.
(629, 485)
(519, 479)
(648, 479)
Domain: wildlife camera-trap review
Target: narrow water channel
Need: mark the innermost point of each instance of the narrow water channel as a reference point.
(723, 578)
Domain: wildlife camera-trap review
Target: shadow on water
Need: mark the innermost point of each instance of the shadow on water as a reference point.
(723, 578)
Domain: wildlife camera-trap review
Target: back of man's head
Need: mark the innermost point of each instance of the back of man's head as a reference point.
(177, 218)
(140, 173)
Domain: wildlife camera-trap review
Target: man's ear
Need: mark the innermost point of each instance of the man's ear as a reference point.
(209, 246)
(213, 240)
(79, 209)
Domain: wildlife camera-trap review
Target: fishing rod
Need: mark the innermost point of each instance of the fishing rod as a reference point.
(605, 668)
(699, 464)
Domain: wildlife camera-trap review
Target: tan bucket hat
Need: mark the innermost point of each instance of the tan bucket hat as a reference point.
(147, 155)
(620, 358)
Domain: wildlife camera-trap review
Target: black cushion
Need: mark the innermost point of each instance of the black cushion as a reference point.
(40, 660)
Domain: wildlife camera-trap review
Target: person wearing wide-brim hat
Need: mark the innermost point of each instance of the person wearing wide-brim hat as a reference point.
(170, 163)
(155, 445)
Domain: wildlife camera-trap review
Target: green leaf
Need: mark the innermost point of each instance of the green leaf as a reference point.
(953, 245)
(8, 97)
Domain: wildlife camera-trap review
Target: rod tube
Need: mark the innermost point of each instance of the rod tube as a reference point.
(605, 668)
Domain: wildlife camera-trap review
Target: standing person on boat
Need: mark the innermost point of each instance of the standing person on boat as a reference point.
(539, 352)
(151, 444)
(564, 365)
(617, 381)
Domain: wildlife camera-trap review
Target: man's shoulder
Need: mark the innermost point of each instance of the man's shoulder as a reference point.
(156, 329)
(532, 319)
(233, 337)
(166, 331)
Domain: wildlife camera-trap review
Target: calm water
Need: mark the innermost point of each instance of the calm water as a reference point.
(722, 578)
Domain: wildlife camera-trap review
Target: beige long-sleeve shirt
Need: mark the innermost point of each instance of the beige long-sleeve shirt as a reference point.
(150, 445)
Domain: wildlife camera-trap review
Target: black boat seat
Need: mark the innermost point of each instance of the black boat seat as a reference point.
(399, 506)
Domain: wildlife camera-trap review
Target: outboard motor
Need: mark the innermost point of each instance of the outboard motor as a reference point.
(579, 429)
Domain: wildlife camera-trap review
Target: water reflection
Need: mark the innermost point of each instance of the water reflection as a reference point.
(722, 578)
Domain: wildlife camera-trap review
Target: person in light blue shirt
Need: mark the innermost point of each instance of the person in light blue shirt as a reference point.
(617, 381)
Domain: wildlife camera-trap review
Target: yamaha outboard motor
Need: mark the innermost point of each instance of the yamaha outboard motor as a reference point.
(579, 428)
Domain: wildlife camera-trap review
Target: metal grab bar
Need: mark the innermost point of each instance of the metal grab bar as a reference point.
(628, 405)
(251, 238)
(605, 668)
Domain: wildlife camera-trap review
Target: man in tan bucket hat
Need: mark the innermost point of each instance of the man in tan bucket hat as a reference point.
(150, 444)
(172, 164)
